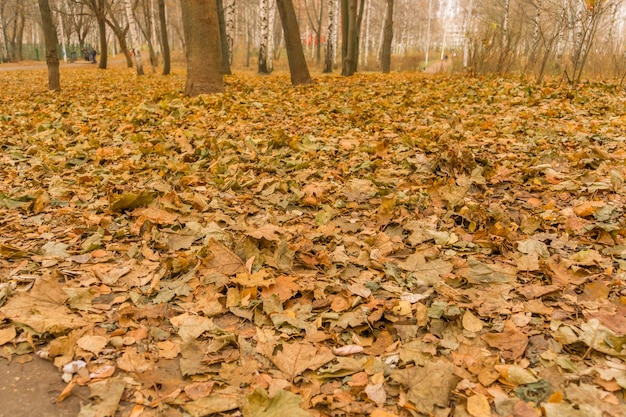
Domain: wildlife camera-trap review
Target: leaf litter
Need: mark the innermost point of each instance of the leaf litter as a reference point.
(395, 245)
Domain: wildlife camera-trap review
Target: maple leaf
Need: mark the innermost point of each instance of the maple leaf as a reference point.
(428, 387)
(295, 358)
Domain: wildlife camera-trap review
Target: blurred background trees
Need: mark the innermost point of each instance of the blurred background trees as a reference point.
(573, 39)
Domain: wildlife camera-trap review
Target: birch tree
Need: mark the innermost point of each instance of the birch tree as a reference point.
(331, 39)
(264, 52)
(229, 18)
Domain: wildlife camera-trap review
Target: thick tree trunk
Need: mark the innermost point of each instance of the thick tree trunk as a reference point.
(165, 44)
(387, 38)
(295, 54)
(349, 63)
(203, 50)
(50, 37)
(223, 38)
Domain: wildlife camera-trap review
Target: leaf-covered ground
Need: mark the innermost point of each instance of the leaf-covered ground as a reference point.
(401, 245)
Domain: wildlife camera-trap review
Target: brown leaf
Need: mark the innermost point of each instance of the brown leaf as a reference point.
(511, 342)
(295, 358)
(43, 309)
(222, 260)
(428, 387)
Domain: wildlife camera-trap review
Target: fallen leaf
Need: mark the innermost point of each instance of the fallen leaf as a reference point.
(295, 358)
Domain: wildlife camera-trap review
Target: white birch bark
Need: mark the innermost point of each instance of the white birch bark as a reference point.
(505, 24)
(272, 41)
(366, 36)
(467, 28)
(134, 37)
(264, 21)
(336, 31)
(229, 17)
(329, 52)
(62, 30)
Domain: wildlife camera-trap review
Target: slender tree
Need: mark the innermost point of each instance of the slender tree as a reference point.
(203, 47)
(143, 17)
(329, 55)
(229, 17)
(50, 37)
(134, 37)
(295, 54)
(120, 33)
(316, 24)
(3, 49)
(165, 43)
(264, 52)
(223, 37)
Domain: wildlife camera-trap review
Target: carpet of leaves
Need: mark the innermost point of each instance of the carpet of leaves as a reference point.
(399, 245)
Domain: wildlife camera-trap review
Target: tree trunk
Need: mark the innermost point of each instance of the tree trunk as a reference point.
(345, 26)
(50, 36)
(430, 14)
(295, 54)
(134, 38)
(146, 28)
(351, 38)
(329, 56)
(165, 44)
(318, 45)
(102, 30)
(264, 15)
(467, 27)
(387, 38)
(19, 24)
(3, 40)
(229, 18)
(223, 38)
(365, 44)
(203, 50)
(120, 34)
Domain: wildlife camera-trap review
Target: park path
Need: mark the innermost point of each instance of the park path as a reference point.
(439, 66)
(113, 61)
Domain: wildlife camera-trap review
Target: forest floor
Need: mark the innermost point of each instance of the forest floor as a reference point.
(385, 245)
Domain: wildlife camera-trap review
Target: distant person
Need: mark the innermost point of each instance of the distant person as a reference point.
(92, 55)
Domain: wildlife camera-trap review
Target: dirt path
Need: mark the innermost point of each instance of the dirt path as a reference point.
(439, 66)
(31, 389)
(112, 61)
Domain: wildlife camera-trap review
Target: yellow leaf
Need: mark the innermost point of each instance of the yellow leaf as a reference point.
(478, 406)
